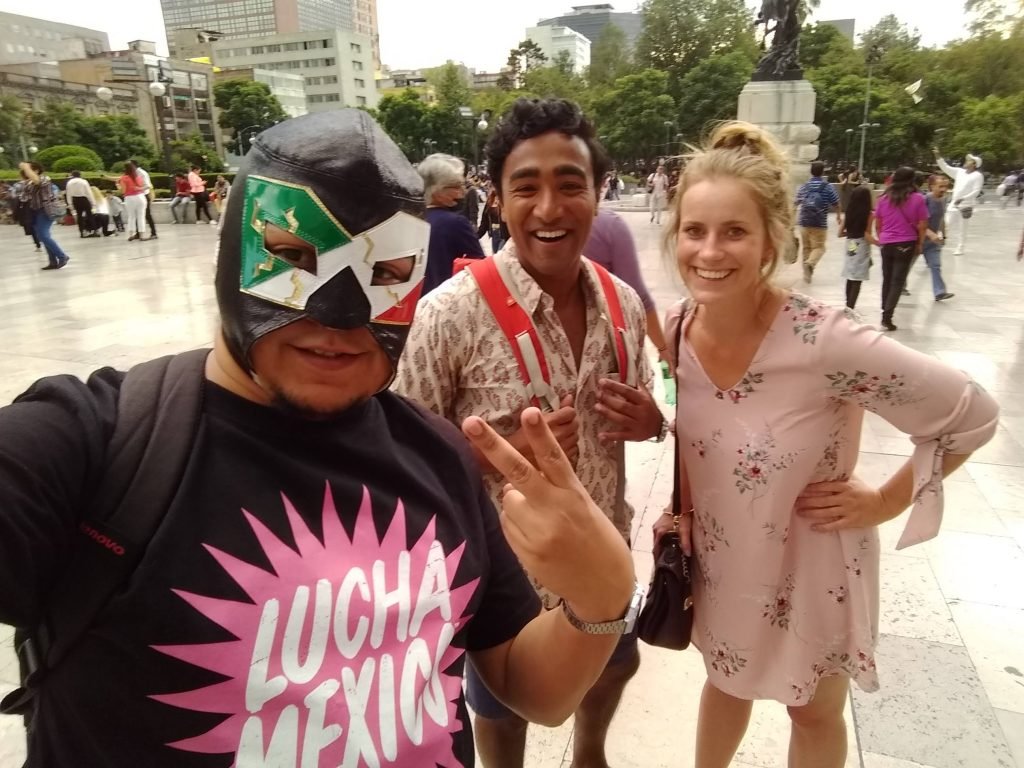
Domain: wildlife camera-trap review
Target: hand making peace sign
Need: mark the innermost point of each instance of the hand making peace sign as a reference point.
(560, 536)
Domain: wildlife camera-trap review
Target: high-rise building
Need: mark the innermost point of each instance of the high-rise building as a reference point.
(252, 18)
(590, 21)
(337, 65)
(556, 41)
(24, 40)
(364, 22)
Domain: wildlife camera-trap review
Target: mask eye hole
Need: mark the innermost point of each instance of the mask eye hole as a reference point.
(394, 272)
(289, 247)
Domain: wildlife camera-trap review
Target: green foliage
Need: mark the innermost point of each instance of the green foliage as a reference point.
(193, 151)
(679, 34)
(523, 58)
(57, 123)
(450, 85)
(81, 163)
(11, 116)
(404, 117)
(117, 136)
(710, 92)
(243, 104)
(992, 127)
(609, 58)
(631, 116)
(48, 157)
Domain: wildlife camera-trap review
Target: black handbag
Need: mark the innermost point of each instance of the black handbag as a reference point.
(667, 618)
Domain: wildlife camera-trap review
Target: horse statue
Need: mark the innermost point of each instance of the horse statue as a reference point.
(781, 19)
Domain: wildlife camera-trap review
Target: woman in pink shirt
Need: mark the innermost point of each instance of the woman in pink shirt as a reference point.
(134, 189)
(900, 219)
(199, 194)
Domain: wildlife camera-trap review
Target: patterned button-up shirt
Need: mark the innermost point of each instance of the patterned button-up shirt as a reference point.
(458, 363)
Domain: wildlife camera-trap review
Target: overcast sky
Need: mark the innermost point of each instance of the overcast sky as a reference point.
(479, 33)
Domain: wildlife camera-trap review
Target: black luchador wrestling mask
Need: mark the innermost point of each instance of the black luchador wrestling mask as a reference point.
(349, 201)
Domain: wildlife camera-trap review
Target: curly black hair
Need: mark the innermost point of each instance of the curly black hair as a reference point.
(529, 118)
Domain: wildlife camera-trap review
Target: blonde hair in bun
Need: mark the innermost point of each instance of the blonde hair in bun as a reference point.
(752, 156)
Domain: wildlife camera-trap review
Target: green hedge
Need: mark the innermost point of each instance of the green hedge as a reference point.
(161, 181)
(81, 163)
(48, 157)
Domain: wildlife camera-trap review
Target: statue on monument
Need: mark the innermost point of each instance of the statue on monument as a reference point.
(782, 60)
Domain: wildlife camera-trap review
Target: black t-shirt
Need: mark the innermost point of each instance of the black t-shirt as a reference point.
(309, 595)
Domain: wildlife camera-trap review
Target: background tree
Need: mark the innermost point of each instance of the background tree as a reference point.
(678, 34)
(631, 116)
(404, 117)
(521, 59)
(12, 116)
(49, 156)
(117, 137)
(244, 103)
(711, 91)
(192, 150)
(451, 88)
(56, 123)
(610, 58)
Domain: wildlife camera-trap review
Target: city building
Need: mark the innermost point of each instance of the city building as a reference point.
(34, 91)
(590, 21)
(556, 41)
(186, 108)
(24, 39)
(364, 22)
(337, 65)
(252, 18)
(484, 80)
(288, 88)
(846, 27)
(394, 81)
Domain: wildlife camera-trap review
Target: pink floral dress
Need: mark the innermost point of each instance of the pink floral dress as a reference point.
(778, 606)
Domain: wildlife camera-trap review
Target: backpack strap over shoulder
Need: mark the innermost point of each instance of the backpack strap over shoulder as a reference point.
(622, 342)
(158, 421)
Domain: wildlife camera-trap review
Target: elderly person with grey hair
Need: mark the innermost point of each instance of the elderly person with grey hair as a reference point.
(451, 234)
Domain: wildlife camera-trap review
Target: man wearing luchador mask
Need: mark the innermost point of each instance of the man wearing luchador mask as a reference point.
(326, 558)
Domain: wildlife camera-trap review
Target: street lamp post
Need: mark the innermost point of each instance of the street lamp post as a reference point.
(668, 137)
(872, 55)
(243, 145)
(846, 152)
(864, 129)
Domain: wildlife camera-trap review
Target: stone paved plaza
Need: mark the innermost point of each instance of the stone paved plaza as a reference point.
(951, 657)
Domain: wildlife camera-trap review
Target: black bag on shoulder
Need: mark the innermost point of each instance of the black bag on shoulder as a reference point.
(159, 410)
(667, 618)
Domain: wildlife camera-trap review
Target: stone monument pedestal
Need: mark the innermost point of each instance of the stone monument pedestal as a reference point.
(786, 108)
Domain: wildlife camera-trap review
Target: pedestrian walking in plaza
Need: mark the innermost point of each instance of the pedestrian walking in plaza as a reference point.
(815, 199)
(197, 186)
(79, 198)
(857, 265)
(935, 235)
(451, 235)
(967, 186)
(150, 196)
(182, 197)
(222, 188)
(847, 183)
(900, 220)
(117, 210)
(133, 187)
(46, 204)
(22, 211)
(657, 187)
(772, 389)
(1007, 190)
(492, 224)
(324, 543)
(461, 362)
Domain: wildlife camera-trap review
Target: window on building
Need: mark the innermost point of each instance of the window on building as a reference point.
(356, 47)
(357, 66)
(360, 83)
(330, 79)
(332, 97)
(277, 48)
(328, 43)
(329, 62)
(257, 49)
(315, 99)
(199, 82)
(293, 46)
(313, 80)
(360, 101)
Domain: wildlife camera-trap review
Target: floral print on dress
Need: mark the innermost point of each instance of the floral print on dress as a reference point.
(742, 390)
(714, 533)
(867, 390)
(758, 461)
(839, 594)
(778, 610)
(772, 533)
(725, 658)
(807, 316)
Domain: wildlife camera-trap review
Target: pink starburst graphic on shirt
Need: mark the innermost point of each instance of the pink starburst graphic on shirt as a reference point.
(341, 656)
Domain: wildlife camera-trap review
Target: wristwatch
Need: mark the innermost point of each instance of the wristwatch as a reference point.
(621, 626)
(662, 434)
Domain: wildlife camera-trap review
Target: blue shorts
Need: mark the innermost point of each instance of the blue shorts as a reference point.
(484, 703)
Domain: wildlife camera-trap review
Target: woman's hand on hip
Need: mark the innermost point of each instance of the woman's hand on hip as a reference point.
(842, 504)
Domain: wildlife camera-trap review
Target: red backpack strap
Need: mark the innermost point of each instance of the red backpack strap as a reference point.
(520, 331)
(617, 319)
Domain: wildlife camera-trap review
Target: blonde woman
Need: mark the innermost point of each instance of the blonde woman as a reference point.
(772, 391)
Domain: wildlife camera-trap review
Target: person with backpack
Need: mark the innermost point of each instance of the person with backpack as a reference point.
(258, 554)
(815, 199)
(22, 211)
(538, 324)
(46, 205)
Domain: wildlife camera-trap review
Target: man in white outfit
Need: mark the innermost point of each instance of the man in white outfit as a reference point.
(657, 185)
(967, 183)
